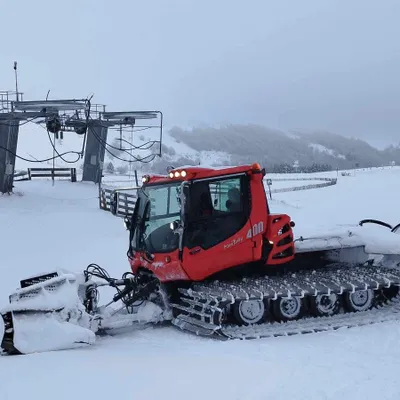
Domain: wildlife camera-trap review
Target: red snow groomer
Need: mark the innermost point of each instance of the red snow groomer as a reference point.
(208, 256)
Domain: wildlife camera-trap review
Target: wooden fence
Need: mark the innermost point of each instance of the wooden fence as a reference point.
(326, 182)
(304, 179)
(52, 173)
(306, 187)
(21, 176)
(126, 201)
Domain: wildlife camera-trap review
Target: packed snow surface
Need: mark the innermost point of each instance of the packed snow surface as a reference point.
(46, 227)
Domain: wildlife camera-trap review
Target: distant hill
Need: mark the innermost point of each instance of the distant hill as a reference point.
(236, 144)
(225, 145)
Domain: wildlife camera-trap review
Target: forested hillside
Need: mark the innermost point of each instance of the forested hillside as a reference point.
(278, 151)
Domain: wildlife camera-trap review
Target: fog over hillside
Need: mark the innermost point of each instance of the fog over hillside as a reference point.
(250, 143)
(223, 145)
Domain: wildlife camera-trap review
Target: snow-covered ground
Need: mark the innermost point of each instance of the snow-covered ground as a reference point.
(372, 193)
(45, 226)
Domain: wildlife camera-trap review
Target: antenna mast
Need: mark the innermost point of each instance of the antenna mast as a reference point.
(16, 80)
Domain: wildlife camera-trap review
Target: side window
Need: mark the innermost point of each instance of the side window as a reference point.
(164, 209)
(164, 201)
(226, 195)
(174, 205)
(158, 203)
(219, 209)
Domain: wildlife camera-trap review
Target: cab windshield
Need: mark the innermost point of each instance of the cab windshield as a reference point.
(159, 205)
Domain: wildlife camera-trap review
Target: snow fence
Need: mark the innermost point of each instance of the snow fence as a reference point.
(126, 200)
(325, 183)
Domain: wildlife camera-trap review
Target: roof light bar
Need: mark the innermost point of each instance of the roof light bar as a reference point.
(177, 174)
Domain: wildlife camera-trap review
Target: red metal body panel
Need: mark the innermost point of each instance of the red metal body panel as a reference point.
(166, 267)
(243, 247)
(259, 213)
(200, 264)
(280, 233)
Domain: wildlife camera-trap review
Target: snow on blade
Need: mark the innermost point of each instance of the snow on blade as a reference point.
(53, 294)
(49, 316)
(45, 332)
(146, 313)
(376, 240)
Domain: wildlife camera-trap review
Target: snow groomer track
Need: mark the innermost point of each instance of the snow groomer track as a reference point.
(208, 301)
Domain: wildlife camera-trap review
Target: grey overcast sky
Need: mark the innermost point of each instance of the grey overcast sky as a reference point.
(287, 64)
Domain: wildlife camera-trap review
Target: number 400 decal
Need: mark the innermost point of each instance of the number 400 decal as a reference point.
(255, 230)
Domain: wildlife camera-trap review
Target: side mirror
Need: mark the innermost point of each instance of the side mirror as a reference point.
(127, 223)
(174, 225)
(186, 198)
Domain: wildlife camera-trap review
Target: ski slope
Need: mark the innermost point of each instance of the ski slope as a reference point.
(46, 226)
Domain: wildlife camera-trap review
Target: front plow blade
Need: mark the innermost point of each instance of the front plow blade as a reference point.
(33, 332)
(45, 314)
(59, 311)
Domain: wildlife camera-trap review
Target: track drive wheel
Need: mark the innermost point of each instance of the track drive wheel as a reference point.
(288, 309)
(324, 305)
(360, 300)
(247, 312)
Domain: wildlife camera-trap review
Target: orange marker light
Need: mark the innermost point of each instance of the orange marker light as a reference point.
(256, 167)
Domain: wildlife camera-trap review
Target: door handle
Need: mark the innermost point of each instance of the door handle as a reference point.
(195, 250)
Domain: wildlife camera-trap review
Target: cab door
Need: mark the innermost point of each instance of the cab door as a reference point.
(217, 225)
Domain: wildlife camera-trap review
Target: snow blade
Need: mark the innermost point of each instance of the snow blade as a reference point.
(32, 332)
(45, 314)
(59, 310)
